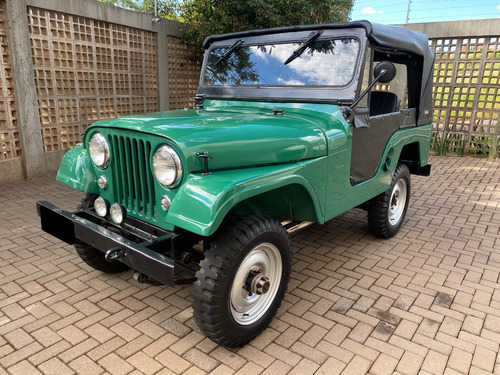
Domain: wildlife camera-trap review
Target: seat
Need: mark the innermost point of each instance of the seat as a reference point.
(382, 102)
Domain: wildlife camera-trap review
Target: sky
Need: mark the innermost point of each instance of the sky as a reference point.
(395, 11)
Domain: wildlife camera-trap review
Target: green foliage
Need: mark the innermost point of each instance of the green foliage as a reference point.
(441, 146)
(206, 17)
(462, 143)
(169, 9)
(237, 69)
(166, 8)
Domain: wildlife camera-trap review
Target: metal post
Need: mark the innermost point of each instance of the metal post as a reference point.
(408, 11)
(24, 84)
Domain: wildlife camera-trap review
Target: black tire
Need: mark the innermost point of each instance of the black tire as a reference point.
(225, 311)
(90, 255)
(387, 211)
(87, 202)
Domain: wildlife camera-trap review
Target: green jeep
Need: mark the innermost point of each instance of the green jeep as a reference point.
(290, 124)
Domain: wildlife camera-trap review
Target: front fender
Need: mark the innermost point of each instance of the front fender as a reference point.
(76, 171)
(203, 202)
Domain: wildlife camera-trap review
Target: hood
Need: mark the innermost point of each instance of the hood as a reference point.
(234, 137)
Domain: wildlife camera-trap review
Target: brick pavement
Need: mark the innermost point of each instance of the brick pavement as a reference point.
(426, 301)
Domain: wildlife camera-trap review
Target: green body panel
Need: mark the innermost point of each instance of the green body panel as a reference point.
(343, 196)
(236, 135)
(77, 170)
(204, 201)
(294, 165)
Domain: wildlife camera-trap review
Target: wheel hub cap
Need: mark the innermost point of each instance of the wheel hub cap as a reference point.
(398, 202)
(256, 284)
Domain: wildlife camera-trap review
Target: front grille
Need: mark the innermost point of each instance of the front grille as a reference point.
(133, 183)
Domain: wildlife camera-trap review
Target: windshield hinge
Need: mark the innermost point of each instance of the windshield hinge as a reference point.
(346, 112)
(198, 102)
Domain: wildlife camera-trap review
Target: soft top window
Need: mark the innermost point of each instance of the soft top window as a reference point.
(329, 62)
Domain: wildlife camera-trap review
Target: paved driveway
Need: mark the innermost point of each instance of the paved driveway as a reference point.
(426, 301)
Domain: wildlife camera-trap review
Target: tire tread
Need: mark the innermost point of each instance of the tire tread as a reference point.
(378, 207)
(208, 296)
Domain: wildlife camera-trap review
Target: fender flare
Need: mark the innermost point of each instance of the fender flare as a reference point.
(202, 202)
(76, 170)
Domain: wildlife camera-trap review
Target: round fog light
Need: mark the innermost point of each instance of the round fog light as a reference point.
(102, 182)
(117, 213)
(101, 206)
(165, 203)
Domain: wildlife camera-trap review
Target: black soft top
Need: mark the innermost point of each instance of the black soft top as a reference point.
(396, 37)
(389, 36)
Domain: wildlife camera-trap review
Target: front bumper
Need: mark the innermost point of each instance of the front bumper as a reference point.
(138, 254)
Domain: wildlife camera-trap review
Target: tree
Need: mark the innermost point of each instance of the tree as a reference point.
(206, 17)
(166, 8)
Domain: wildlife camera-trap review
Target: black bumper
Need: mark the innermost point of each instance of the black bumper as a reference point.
(69, 227)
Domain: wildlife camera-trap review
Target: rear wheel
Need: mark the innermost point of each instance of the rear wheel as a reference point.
(242, 280)
(387, 211)
(92, 256)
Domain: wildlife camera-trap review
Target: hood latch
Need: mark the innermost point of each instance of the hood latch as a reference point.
(205, 155)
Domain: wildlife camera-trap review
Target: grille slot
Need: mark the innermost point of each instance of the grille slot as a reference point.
(133, 179)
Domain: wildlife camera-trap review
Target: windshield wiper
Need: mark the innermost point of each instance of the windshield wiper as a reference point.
(299, 51)
(229, 52)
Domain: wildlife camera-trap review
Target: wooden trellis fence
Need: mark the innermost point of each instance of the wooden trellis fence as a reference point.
(467, 95)
(66, 67)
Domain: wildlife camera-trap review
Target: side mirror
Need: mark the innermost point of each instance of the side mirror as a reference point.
(384, 72)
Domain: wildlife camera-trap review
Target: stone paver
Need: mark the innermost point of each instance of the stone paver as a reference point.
(426, 301)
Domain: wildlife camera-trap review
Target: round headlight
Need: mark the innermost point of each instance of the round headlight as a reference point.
(167, 166)
(101, 206)
(99, 150)
(102, 182)
(165, 203)
(117, 213)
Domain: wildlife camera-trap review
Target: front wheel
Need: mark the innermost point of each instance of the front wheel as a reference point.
(242, 280)
(386, 212)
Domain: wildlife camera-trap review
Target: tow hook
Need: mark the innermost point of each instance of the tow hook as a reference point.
(145, 279)
(113, 255)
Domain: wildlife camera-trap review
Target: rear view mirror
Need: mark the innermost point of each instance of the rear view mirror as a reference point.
(384, 72)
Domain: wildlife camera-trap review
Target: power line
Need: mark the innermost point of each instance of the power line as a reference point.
(427, 18)
(455, 8)
(458, 11)
(374, 4)
(430, 8)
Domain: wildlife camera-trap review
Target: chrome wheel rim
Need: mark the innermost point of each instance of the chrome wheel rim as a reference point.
(398, 202)
(262, 264)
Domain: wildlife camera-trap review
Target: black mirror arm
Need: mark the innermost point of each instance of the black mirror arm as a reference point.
(347, 111)
(382, 72)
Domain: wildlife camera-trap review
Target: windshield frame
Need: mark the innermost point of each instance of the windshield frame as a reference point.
(319, 94)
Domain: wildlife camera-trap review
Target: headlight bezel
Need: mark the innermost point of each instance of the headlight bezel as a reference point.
(102, 142)
(168, 154)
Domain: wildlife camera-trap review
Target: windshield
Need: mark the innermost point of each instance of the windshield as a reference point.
(329, 62)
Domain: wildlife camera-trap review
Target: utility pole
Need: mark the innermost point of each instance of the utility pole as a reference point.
(408, 11)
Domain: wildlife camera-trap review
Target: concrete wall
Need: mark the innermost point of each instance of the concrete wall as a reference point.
(32, 136)
(473, 28)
